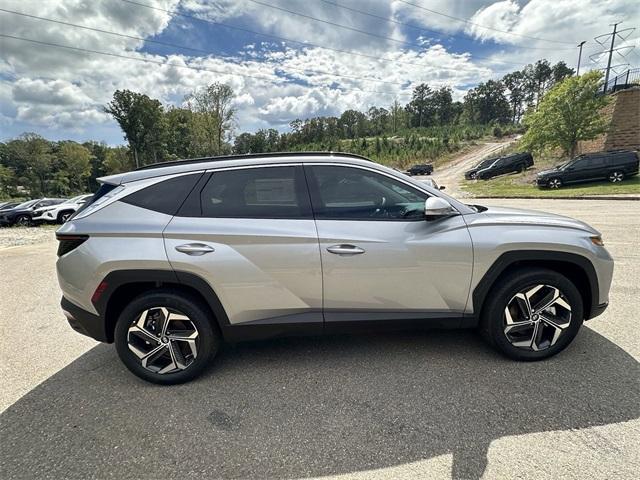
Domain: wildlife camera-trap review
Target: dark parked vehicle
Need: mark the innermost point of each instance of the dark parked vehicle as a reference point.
(517, 162)
(7, 205)
(22, 214)
(614, 166)
(426, 169)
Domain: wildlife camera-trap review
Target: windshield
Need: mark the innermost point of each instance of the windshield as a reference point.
(27, 204)
(486, 163)
(75, 199)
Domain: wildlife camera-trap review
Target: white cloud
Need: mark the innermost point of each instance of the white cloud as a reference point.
(55, 90)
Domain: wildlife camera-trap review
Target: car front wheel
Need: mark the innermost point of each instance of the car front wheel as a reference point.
(166, 337)
(23, 221)
(533, 314)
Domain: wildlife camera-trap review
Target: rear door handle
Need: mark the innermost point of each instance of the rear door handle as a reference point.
(195, 249)
(345, 249)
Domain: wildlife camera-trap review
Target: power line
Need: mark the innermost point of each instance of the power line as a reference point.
(168, 64)
(483, 26)
(424, 29)
(364, 32)
(304, 44)
(209, 52)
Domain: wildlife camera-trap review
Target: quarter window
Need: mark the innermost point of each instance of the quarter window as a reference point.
(266, 192)
(356, 194)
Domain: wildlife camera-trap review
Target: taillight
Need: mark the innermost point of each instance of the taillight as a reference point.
(69, 242)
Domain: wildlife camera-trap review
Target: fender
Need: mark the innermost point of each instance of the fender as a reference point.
(509, 259)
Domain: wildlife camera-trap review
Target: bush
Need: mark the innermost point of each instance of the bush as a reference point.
(497, 132)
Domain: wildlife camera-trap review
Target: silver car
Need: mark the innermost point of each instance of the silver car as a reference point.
(169, 260)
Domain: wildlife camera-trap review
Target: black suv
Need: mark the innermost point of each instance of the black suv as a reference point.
(22, 214)
(426, 169)
(492, 167)
(614, 166)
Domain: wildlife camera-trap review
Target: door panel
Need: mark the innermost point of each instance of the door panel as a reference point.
(408, 270)
(260, 269)
(381, 259)
(252, 237)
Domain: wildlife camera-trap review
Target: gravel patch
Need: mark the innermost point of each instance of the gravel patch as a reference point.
(14, 236)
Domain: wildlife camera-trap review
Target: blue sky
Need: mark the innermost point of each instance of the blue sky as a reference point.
(59, 93)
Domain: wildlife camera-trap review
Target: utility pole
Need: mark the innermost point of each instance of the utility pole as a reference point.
(613, 40)
(580, 57)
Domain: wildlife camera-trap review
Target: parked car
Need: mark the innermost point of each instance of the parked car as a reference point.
(7, 205)
(517, 162)
(169, 260)
(614, 166)
(61, 212)
(426, 169)
(22, 214)
(433, 184)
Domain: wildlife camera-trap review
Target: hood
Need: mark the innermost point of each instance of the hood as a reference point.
(516, 216)
(551, 171)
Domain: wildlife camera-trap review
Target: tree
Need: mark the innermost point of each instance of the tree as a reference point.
(487, 103)
(118, 160)
(7, 182)
(215, 115)
(560, 71)
(443, 105)
(568, 113)
(141, 119)
(74, 168)
(515, 82)
(421, 107)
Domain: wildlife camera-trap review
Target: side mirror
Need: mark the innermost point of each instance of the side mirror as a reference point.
(436, 207)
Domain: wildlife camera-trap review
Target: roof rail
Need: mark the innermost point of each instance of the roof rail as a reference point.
(249, 155)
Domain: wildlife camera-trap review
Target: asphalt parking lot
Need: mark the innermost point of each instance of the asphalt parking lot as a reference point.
(412, 405)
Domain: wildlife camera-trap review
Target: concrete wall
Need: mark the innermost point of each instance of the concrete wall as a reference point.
(623, 114)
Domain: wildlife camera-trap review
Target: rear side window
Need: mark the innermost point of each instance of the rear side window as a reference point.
(166, 196)
(266, 192)
(102, 191)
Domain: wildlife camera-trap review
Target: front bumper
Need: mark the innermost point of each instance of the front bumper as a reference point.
(542, 182)
(85, 322)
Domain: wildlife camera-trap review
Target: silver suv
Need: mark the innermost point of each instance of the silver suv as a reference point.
(169, 260)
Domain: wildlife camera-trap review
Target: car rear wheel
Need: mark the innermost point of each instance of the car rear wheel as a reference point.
(166, 337)
(616, 177)
(534, 314)
(555, 183)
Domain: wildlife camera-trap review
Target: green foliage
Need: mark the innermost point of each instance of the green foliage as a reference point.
(568, 113)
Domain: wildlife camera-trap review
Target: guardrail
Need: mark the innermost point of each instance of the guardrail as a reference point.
(625, 80)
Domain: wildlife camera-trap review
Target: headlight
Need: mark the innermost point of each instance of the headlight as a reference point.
(597, 240)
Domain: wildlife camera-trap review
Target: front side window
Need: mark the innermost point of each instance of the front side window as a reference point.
(266, 192)
(355, 194)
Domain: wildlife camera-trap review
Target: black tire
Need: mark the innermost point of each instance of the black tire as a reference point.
(521, 168)
(492, 322)
(616, 176)
(24, 221)
(207, 343)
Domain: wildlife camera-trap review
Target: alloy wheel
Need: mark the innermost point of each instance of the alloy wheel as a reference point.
(616, 177)
(164, 340)
(65, 217)
(555, 183)
(536, 317)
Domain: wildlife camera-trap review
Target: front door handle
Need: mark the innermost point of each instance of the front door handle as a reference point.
(195, 249)
(345, 249)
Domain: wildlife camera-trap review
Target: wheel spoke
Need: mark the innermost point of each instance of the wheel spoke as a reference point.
(176, 356)
(143, 334)
(153, 355)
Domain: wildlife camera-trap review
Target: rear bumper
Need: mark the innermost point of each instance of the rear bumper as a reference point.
(84, 322)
